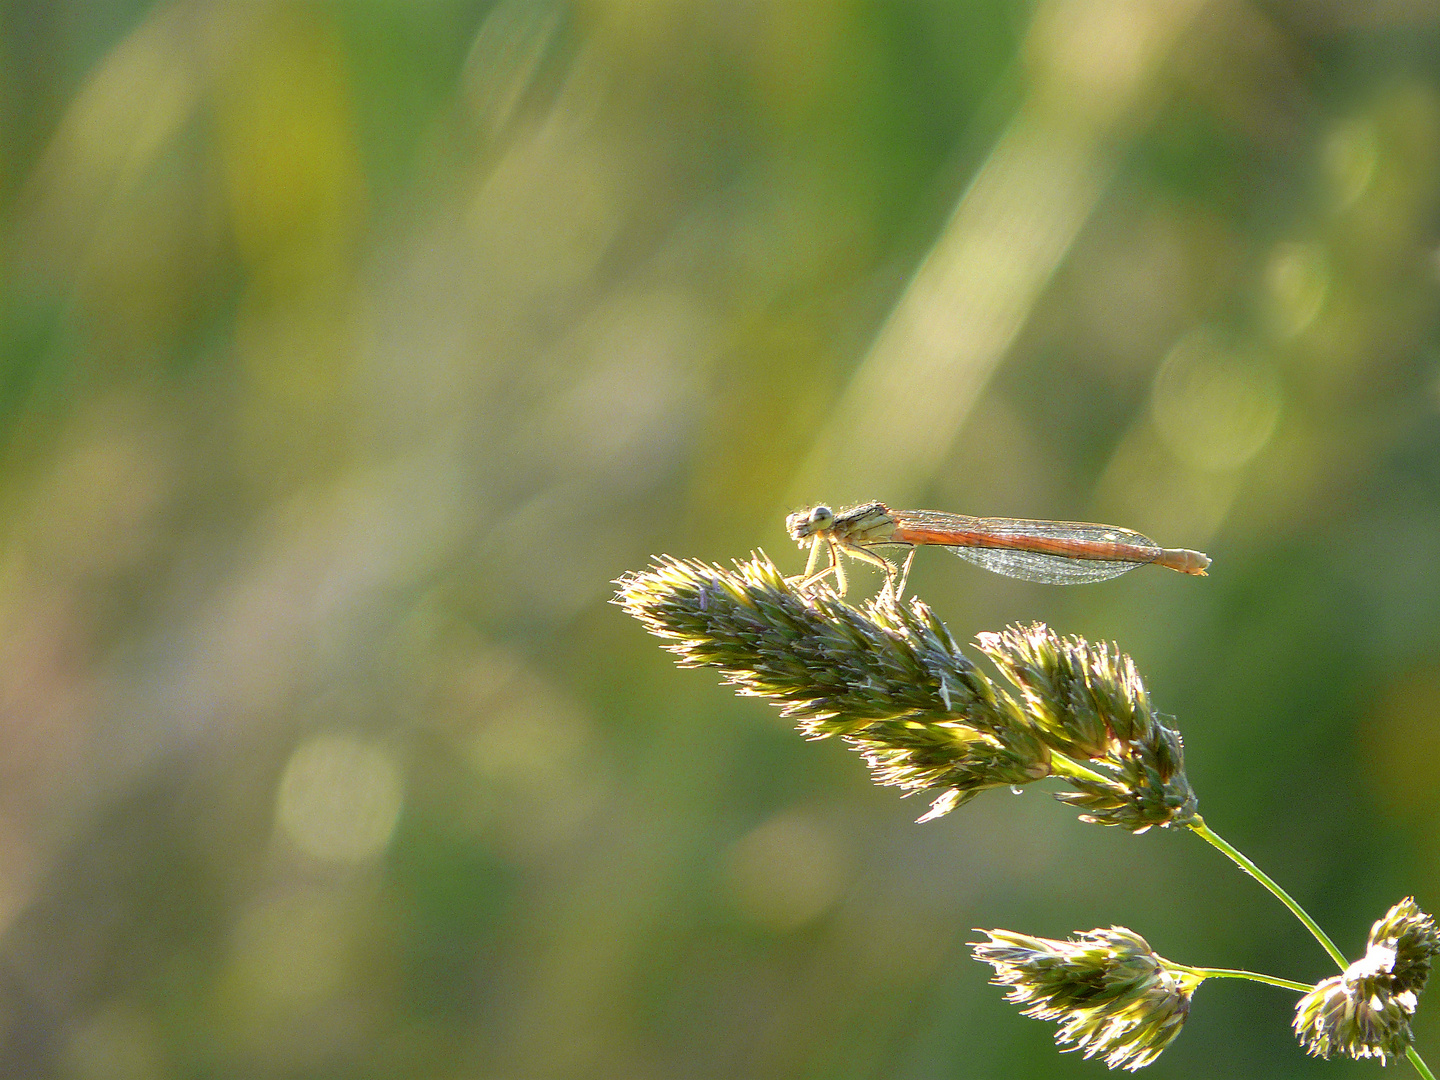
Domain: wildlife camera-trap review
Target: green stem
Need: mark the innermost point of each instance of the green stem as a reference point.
(1237, 973)
(1203, 831)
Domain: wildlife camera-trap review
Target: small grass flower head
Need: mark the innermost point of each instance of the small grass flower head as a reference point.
(1113, 996)
(1366, 1011)
(1416, 941)
(1088, 704)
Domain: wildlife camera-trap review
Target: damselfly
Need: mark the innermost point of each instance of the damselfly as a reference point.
(1054, 552)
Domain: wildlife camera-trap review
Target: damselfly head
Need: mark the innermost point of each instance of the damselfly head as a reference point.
(807, 523)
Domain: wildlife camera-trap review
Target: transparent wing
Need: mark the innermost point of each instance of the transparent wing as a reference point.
(1052, 552)
(1038, 566)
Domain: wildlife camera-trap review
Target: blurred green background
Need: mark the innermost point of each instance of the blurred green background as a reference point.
(350, 350)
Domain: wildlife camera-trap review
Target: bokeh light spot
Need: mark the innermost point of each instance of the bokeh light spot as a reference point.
(1216, 409)
(1297, 281)
(340, 798)
(1349, 158)
(784, 874)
